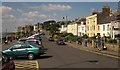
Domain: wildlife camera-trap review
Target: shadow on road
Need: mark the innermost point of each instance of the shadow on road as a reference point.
(45, 57)
(41, 57)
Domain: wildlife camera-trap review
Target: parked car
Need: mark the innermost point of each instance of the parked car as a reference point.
(36, 36)
(60, 41)
(29, 50)
(22, 40)
(7, 63)
(51, 39)
(34, 41)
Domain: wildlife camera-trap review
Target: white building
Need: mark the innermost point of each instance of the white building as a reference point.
(105, 30)
(115, 29)
(82, 27)
(63, 29)
(110, 27)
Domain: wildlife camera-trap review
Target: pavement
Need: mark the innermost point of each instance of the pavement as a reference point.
(114, 54)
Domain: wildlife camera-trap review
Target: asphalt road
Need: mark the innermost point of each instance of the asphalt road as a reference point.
(64, 56)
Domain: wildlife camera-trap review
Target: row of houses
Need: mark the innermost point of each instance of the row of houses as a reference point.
(105, 23)
(29, 29)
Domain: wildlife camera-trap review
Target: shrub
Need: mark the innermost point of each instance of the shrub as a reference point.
(85, 36)
(112, 41)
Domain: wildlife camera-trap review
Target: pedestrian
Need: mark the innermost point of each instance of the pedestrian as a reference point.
(98, 44)
(85, 42)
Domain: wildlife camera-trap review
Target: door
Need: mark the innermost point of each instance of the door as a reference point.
(15, 50)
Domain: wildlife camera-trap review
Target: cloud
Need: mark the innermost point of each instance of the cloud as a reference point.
(5, 9)
(7, 16)
(19, 10)
(31, 14)
(35, 14)
(54, 7)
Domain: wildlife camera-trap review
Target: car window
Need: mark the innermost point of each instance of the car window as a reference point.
(16, 46)
(34, 45)
(26, 46)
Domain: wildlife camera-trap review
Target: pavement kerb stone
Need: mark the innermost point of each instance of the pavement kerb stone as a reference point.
(91, 49)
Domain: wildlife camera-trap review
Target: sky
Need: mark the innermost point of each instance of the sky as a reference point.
(16, 14)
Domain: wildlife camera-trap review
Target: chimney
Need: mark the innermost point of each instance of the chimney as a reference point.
(106, 9)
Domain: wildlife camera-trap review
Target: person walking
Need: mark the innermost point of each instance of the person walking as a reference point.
(85, 42)
(99, 44)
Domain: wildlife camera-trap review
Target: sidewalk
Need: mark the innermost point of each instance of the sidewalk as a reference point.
(94, 50)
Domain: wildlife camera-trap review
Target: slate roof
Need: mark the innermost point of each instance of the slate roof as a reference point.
(108, 19)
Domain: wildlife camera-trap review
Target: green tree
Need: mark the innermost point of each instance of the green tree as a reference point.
(85, 36)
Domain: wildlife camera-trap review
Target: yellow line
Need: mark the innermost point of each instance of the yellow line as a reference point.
(37, 66)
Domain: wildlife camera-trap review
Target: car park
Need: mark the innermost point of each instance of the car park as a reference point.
(7, 63)
(29, 50)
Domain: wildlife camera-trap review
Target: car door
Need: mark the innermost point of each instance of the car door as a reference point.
(25, 48)
(16, 50)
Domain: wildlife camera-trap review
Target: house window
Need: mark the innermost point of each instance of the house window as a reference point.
(88, 28)
(103, 34)
(94, 27)
(98, 27)
(103, 27)
(107, 27)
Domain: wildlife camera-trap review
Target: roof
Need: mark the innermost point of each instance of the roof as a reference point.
(108, 19)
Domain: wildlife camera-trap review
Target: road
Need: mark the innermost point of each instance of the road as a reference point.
(64, 56)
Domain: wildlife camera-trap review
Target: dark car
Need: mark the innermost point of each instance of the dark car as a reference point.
(29, 50)
(7, 63)
(60, 41)
(38, 37)
(51, 39)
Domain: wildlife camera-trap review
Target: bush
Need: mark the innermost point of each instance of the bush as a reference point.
(85, 36)
(112, 41)
(93, 37)
(73, 38)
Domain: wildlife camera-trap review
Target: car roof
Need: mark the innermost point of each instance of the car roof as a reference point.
(32, 40)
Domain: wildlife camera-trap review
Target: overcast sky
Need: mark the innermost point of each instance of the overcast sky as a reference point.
(16, 14)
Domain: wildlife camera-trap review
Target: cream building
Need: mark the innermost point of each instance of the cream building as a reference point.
(73, 28)
(92, 28)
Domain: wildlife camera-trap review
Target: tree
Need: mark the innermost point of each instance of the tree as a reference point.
(85, 36)
(46, 24)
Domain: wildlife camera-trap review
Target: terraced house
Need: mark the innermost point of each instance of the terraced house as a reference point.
(92, 21)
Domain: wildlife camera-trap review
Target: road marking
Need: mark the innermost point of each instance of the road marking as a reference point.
(117, 57)
(26, 65)
(37, 66)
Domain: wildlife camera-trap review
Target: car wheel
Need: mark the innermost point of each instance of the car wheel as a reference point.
(31, 56)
